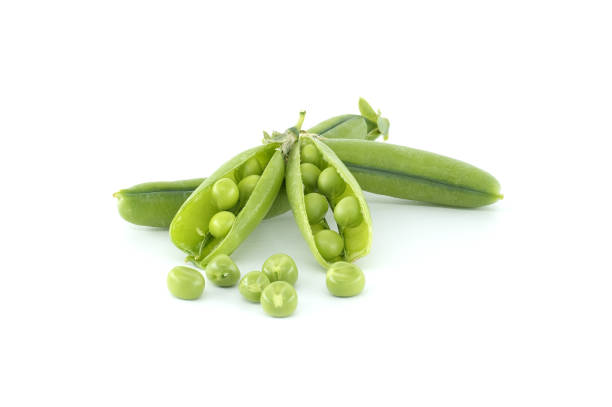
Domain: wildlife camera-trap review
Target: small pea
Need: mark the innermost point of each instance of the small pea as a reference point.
(310, 154)
(221, 223)
(317, 228)
(222, 271)
(279, 299)
(246, 187)
(251, 167)
(329, 243)
(347, 212)
(344, 279)
(330, 183)
(280, 267)
(310, 175)
(316, 207)
(252, 284)
(225, 193)
(185, 283)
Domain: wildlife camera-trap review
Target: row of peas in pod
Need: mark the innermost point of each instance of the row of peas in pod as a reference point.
(272, 286)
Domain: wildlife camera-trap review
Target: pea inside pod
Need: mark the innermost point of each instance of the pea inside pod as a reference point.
(338, 187)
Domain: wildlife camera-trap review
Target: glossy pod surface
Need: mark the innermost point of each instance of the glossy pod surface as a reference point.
(189, 229)
(408, 173)
(335, 183)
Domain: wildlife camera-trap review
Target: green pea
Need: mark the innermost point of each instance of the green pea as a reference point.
(185, 283)
(225, 193)
(251, 167)
(310, 154)
(279, 299)
(330, 183)
(316, 207)
(281, 267)
(347, 212)
(344, 279)
(221, 223)
(252, 284)
(246, 187)
(329, 243)
(310, 175)
(222, 271)
(317, 227)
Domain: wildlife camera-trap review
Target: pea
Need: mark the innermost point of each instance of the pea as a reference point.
(316, 207)
(280, 267)
(310, 154)
(310, 175)
(246, 187)
(347, 212)
(317, 228)
(330, 183)
(329, 243)
(222, 271)
(344, 279)
(250, 167)
(225, 193)
(279, 299)
(185, 283)
(252, 284)
(221, 223)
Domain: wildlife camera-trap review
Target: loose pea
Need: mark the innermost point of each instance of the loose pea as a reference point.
(310, 154)
(222, 271)
(330, 182)
(310, 175)
(221, 223)
(251, 167)
(316, 207)
(347, 212)
(225, 193)
(279, 299)
(344, 279)
(281, 267)
(246, 187)
(252, 284)
(185, 283)
(329, 243)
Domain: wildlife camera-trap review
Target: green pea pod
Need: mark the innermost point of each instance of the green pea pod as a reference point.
(189, 229)
(408, 173)
(357, 240)
(155, 203)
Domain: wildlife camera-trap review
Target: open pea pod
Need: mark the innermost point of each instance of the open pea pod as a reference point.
(315, 178)
(218, 216)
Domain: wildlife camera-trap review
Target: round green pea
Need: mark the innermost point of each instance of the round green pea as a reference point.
(280, 267)
(252, 284)
(225, 193)
(310, 175)
(221, 223)
(311, 154)
(250, 167)
(330, 183)
(347, 212)
(185, 283)
(222, 271)
(279, 299)
(316, 207)
(246, 187)
(329, 243)
(344, 279)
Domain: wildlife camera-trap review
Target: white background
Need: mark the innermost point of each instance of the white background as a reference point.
(503, 306)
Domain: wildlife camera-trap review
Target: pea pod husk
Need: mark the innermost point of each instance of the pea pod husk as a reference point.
(189, 228)
(357, 240)
(408, 173)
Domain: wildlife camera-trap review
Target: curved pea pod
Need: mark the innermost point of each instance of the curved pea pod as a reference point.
(408, 173)
(189, 229)
(358, 239)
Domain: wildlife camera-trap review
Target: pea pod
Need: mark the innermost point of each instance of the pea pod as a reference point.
(355, 241)
(189, 229)
(408, 173)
